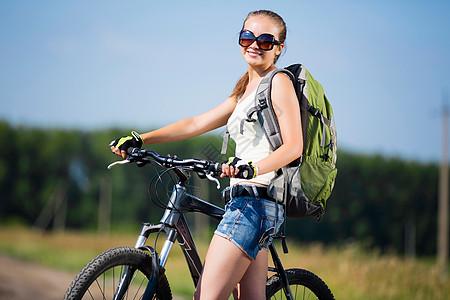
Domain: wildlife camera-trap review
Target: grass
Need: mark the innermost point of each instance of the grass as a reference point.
(350, 272)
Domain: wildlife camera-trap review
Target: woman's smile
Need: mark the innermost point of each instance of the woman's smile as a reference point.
(253, 52)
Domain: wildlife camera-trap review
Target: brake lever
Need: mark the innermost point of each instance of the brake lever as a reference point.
(210, 177)
(120, 162)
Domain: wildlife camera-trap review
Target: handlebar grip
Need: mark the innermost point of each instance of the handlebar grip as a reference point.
(215, 168)
(132, 150)
(245, 172)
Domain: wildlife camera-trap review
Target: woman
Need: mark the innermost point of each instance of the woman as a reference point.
(236, 259)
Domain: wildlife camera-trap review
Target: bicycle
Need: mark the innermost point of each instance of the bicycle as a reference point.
(138, 272)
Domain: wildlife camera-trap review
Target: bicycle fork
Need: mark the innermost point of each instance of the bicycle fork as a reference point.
(157, 264)
(125, 281)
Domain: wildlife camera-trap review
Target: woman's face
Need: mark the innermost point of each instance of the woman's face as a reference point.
(252, 54)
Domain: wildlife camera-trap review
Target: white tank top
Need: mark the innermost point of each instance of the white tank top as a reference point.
(252, 144)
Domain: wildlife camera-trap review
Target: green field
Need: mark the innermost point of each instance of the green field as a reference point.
(350, 272)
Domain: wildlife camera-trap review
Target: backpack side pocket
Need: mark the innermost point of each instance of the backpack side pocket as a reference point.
(297, 203)
(317, 179)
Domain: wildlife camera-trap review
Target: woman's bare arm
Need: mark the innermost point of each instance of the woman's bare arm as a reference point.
(287, 109)
(192, 127)
(188, 128)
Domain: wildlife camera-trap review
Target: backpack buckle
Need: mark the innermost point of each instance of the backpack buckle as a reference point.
(314, 111)
(262, 102)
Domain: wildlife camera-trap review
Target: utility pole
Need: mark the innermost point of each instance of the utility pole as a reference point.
(442, 255)
(54, 209)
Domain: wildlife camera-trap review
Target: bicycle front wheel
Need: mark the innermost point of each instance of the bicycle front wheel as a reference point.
(100, 278)
(303, 284)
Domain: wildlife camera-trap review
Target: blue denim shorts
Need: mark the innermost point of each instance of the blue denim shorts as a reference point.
(249, 223)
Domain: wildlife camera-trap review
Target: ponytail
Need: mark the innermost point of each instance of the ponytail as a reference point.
(241, 86)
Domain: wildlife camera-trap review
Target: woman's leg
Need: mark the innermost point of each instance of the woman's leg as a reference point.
(225, 265)
(253, 284)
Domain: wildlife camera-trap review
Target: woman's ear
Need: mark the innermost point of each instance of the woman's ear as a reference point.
(279, 49)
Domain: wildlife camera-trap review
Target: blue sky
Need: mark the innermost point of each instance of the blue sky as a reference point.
(385, 65)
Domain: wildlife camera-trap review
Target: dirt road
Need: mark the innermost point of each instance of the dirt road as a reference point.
(20, 280)
(23, 281)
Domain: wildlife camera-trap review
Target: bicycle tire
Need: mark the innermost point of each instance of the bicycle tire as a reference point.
(99, 278)
(303, 283)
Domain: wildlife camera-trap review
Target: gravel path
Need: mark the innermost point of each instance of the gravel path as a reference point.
(22, 280)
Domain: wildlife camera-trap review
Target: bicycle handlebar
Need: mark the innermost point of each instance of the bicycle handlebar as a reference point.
(204, 168)
(197, 165)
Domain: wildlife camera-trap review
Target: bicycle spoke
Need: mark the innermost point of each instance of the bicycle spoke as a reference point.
(100, 289)
(113, 285)
(92, 297)
(111, 282)
(299, 292)
(104, 284)
(139, 289)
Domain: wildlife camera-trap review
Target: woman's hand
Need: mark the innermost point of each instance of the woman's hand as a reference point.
(228, 171)
(236, 167)
(121, 145)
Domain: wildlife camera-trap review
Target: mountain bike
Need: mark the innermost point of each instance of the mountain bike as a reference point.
(138, 272)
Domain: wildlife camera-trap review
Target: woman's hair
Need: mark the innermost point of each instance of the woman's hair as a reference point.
(241, 85)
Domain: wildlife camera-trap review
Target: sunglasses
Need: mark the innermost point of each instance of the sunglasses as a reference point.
(265, 41)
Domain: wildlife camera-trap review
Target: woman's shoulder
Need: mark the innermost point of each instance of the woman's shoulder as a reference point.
(281, 83)
(281, 79)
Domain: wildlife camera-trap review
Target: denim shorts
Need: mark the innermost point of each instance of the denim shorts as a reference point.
(249, 223)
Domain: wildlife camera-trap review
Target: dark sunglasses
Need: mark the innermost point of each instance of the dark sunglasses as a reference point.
(265, 41)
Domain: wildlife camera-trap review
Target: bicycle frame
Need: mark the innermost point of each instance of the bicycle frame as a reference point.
(175, 226)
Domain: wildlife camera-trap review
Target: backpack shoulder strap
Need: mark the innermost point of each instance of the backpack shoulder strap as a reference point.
(265, 112)
(264, 109)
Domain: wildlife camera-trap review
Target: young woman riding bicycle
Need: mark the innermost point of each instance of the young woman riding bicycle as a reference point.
(237, 259)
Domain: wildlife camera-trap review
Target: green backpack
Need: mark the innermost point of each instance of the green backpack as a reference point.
(304, 185)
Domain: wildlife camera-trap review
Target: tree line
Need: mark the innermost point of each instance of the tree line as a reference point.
(56, 177)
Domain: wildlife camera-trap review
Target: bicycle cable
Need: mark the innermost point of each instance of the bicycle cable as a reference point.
(158, 181)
